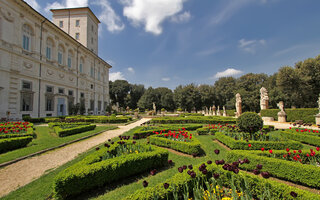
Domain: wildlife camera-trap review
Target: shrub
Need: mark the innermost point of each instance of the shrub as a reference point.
(256, 145)
(193, 119)
(296, 172)
(190, 114)
(92, 172)
(14, 143)
(250, 122)
(305, 114)
(34, 120)
(257, 185)
(203, 131)
(192, 147)
(72, 131)
(304, 138)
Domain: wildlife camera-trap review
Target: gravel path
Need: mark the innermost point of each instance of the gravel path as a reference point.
(23, 172)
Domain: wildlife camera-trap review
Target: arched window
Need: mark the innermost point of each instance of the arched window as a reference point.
(49, 48)
(70, 59)
(26, 37)
(60, 54)
(81, 65)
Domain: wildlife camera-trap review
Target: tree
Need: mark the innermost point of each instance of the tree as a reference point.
(207, 95)
(165, 95)
(135, 93)
(224, 90)
(118, 91)
(187, 97)
(148, 98)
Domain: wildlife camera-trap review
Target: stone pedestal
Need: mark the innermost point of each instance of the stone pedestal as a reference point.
(282, 116)
(317, 119)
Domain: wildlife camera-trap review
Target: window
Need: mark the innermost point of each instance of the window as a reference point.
(99, 105)
(92, 28)
(81, 65)
(49, 115)
(70, 57)
(77, 36)
(81, 95)
(92, 40)
(61, 91)
(26, 37)
(99, 74)
(26, 96)
(49, 49)
(77, 23)
(91, 86)
(26, 85)
(70, 92)
(49, 89)
(60, 54)
(60, 24)
(92, 72)
(91, 104)
(49, 103)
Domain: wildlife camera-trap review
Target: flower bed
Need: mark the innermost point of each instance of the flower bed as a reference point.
(150, 130)
(256, 145)
(71, 131)
(181, 141)
(286, 169)
(181, 183)
(16, 129)
(9, 144)
(94, 171)
(192, 119)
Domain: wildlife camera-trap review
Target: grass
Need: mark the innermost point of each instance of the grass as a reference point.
(42, 187)
(47, 139)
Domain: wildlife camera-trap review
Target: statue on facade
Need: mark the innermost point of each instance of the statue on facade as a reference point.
(264, 99)
(238, 105)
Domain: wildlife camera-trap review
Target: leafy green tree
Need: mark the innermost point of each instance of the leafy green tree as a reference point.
(118, 91)
(224, 90)
(207, 95)
(135, 93)
(187, 97)
(149, 97)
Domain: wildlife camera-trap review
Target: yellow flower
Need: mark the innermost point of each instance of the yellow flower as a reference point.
(137, 151)
(226, 198)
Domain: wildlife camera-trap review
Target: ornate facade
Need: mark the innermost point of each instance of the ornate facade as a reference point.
(43, 69)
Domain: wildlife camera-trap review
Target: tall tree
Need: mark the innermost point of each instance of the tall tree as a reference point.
(135, 93)
(118, 91)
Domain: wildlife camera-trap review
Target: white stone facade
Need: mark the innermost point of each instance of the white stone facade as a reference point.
(43, 69)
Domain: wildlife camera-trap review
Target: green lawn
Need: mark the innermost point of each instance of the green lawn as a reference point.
(47, 139)
(42, 187)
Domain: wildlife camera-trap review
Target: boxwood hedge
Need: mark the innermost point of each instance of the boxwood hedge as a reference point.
(14, 143)
(296, 172)
(91, 172)
(305, 114)
(192, 147)
(256, 145)
(257, 185)
(71, 131)
(193, 119)
(301, 137)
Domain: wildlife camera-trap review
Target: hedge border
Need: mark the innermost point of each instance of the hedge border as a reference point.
(73, 131)
(303, 174)
(199, 120)
(304, 138)
(279, 190)
(91, 172)
(305, 114)
(193, 147)
(14, 143)
(256, 145)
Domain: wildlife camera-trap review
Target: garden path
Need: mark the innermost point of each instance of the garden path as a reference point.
(25, 171)
(286, 125)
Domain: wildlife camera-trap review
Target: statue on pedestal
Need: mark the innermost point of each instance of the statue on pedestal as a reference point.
(238, 105)
(264, 99)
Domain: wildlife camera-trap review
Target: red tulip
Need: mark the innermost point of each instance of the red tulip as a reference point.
(249, 145)
(287, 149)
(270, 151)
(262, 149)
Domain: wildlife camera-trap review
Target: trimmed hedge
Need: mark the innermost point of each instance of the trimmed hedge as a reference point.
(257, 186)
(203, 131)
(230, 112)
(71, 131)
(199, 120)
(304, 138)
(192, 147)
(304, 174)
(140, 133)
(256, 145)
(91, 172)
(53, 124)
(34, 120)
(101, 119)
(14, 143)
(305, 114)
(190, 114)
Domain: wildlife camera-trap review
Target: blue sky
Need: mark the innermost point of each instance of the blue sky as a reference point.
(172, 42)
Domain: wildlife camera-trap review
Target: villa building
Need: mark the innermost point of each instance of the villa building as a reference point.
(48, 67)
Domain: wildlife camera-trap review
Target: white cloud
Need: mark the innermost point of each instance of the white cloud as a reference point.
(291, 49)
(228, 72)
(250, 45)
(165, 79)
(184, 17)
(66, 4)
(34, 4)
(116, 76)
(130, 69)
(151, 13)
(109, 17)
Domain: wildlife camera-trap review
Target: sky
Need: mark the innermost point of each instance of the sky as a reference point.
(166, 43)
